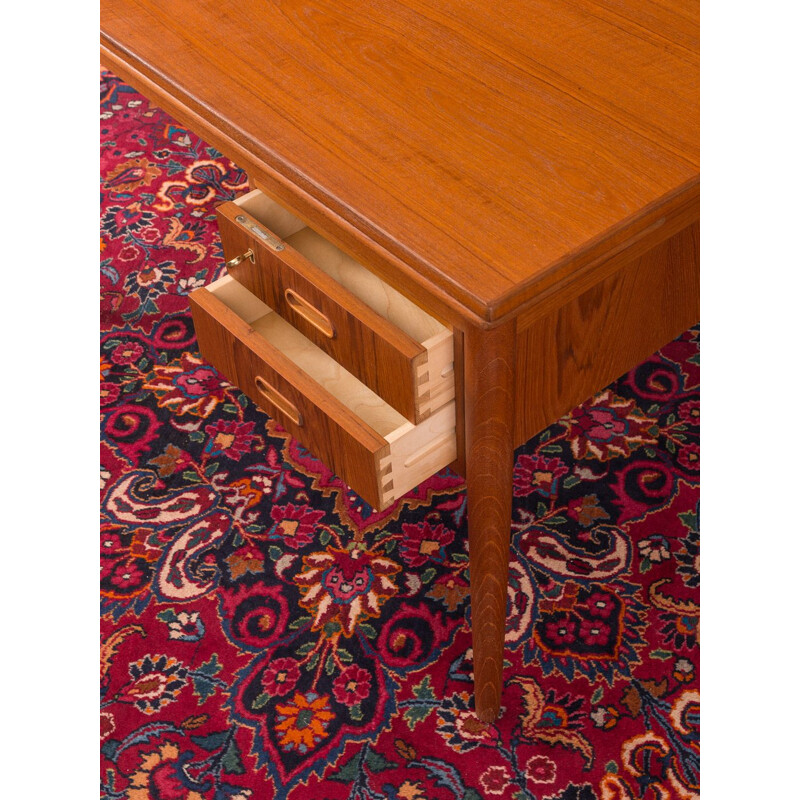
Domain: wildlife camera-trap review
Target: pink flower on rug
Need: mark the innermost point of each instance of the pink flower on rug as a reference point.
(562, 631)
(109, 392)
(495, 780)
(127, 353)
(595, 632)
(600, 605)
(231, 438)
(127, 574)
(689, 457)
(295, 526)
(541, 769)
(110, 541)
(152, 276)
(150, 235)
(130, 253)
(424, 543)
(281, 676)
(538, 474)
(689, 411)
(352, 686)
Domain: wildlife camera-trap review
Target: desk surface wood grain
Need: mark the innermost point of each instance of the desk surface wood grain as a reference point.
(480, 149)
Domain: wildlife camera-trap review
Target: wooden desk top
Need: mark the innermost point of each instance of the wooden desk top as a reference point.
(486, 150)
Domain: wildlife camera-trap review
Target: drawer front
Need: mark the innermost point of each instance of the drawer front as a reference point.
(375, 351)
(378, 467)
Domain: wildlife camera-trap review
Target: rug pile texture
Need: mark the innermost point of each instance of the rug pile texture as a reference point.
(265, 634)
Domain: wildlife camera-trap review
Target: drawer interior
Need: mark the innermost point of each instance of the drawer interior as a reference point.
(336, 380)
(357, 279)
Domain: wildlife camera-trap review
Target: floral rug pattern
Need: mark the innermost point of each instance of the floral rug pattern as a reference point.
(265, 634)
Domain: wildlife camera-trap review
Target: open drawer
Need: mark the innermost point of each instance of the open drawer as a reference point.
(365, 441)
(398, 350)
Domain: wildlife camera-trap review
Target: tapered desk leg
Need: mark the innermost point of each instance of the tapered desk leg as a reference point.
(489, 364)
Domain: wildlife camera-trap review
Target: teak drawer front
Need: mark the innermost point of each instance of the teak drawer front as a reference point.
(400, 352)
(359, 436)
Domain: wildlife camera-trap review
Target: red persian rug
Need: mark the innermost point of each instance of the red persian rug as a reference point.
(233, 667)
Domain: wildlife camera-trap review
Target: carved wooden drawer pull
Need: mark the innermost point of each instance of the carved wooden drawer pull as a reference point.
(279, 401)
(309, 313)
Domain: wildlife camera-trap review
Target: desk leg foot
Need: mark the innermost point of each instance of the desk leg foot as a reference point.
(489, 363)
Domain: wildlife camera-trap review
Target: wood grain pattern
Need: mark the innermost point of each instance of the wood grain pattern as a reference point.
(570, 353)
(581, 122)
(489, 364)
(370, 347)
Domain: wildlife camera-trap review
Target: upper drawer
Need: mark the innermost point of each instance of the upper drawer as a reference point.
(362, 438)
(402, 353)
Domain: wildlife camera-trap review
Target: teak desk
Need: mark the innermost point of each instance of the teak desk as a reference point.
(525, 172)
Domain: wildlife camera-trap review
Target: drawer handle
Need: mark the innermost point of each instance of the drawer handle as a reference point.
(279, 401)
(309, 313)
(234, 262)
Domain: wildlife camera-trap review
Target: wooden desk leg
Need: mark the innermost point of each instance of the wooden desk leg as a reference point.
(489, 365)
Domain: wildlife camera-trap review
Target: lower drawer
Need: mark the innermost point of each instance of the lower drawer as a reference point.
(372, 447)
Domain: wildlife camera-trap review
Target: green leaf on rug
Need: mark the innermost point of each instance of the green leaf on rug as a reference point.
(555, 449)
(232, 759)
(202, 678)
(350, 771)
(212, 741)
(377, 763)
(422, 690)
(661, 655)
(416, 714)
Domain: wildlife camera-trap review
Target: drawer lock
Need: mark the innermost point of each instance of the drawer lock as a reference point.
(234, 262)
(265, 236)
